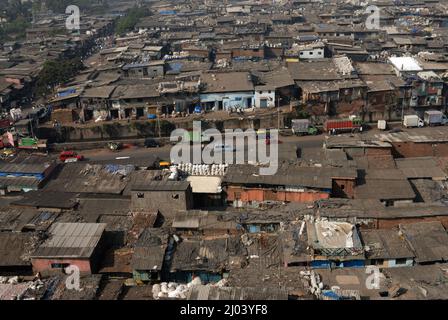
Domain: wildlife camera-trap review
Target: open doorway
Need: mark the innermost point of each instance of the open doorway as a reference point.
(140, 113)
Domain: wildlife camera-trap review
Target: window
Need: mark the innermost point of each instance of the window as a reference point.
(311, 53)
(342, 187)
(59, 265)
(400, 261)
(319, 53)
(175, 196)
(378, 262)
(140, 195)
(301, 53)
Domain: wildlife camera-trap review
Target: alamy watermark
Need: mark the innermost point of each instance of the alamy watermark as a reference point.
(227, 148)
(374, 278)
(373, 18)
(73, 281)
(73, 20)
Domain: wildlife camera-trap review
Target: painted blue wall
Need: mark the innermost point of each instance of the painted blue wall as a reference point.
(229, 100)
(325, 264)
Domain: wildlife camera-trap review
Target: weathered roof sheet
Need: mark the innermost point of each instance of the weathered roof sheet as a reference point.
(429, 241)
(314, 70)
(385, 189)
(202, 220)
(98, 92)
(312, 177)
(206, 255)
(425, 167)
(204, 292)
(13, 246)
(149, 252)
(71, 240)
(163, 186)
(227, 82)
(385, 244)
(42, 199)
(90, 178)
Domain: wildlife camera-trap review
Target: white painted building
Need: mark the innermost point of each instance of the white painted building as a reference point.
(311, 51)
(405, 66)
(264, 97)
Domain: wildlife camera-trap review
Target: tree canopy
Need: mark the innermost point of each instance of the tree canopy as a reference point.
(56, 72)
(127, 23)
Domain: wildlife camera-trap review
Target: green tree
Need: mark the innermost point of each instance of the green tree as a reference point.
(18, 17)
(127, 23)
(56, 72)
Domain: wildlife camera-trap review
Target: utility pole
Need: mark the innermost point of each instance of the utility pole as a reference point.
(158, 120)
(278, 113)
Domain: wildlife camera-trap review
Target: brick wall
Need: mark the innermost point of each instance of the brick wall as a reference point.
(43, 265)
(411, 149)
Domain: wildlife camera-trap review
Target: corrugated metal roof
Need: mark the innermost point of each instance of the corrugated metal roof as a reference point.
(42, 199)
(23, 168)
(163, 186)
(71, 240)
(12, 247)
(23, 182)
(312, 177)
(420, 168)
(429, 240)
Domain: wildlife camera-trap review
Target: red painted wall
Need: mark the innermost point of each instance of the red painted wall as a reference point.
(44, 265)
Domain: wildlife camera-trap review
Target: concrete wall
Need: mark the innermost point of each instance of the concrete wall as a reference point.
(317, 53)
(145, 72)
(269, 95)
(167, 202)
(124, 130)
(229, 99)
(390, 263)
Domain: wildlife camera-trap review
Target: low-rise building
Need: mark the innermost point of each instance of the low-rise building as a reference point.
(168, 197)
(70, 244)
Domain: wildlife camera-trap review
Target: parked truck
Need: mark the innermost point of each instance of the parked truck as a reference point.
(434, 118)
(303, 127)
(343, 125)
(411, 121)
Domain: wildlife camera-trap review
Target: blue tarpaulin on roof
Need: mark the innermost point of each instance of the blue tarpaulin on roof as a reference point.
(330, 294)
(197, 109)
(66, 92)
(167, 12)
